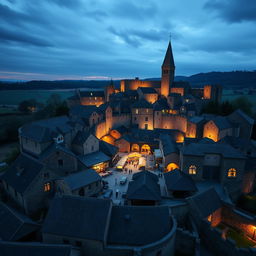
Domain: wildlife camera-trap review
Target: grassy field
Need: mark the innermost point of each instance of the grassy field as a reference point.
(14, 97)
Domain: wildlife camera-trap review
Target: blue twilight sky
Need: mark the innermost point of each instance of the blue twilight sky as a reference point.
(83, 39)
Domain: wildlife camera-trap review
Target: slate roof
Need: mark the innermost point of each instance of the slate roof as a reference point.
(107, 148)
(34, 249)
(83, 111)
(206, 202)
(200, 149)
(46, 130)
(53, 148)
(169, 146)
(144, 187)
(82, 179)
(81, 138)
(222, 122)
(14, 225)
(138, 225)
(179, 181)
(94, 158)
(246, 117)
(147, 90)
(78, 217)
(168, 59)
(161, 104)
(196, 119)
(22, 173)
(142, 103)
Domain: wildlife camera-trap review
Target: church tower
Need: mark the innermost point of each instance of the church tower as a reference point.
(168, 70)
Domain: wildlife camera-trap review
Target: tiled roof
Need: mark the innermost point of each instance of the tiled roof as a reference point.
(81, 137)
(22, 173)
(206, 202)
(142, 103)
(179, 181)
(169, 146)
(144, 187)
(94, 158)
(78, 217)
(81, 179)
(34, 249)
(147, 90)
(107, 148)
(46, 130)
(138, 225)
(200, 149)
(14, 225)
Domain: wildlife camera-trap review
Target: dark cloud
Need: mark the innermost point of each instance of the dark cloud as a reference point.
(21, 37)
(134, 10)
(233, 10)
(73, 4)
(125, 38)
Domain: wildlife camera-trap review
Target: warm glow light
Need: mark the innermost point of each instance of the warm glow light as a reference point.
(192, 170)
(47, 187)
(109, 139)
(232, 173)
(180, 138)
(171, 167)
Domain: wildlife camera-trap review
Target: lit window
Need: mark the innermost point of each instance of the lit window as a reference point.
(232, 172)
(95, 98)
(137, 111)
(147, 110)
(91, 94)
(47, 187)
(192, 169)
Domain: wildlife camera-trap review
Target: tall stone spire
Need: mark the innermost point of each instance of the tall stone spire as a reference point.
(168, 70)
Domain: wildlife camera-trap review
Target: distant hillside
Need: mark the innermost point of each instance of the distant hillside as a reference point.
(234, 79)
(51, 85)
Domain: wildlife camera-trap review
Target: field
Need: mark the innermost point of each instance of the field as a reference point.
(14, 97)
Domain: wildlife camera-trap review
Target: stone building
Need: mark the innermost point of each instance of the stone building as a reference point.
(99, 228)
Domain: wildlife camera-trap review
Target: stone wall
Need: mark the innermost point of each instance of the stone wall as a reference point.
(239, 220)
(212, 238)
(186, 242)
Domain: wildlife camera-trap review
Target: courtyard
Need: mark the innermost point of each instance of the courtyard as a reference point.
(131, 163)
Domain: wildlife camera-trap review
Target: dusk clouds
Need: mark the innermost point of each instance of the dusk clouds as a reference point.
(63, 39)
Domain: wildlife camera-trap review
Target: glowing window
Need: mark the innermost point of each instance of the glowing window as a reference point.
(147, 110)
(137, 111)
(95, 98)
(47, 187)
(91, 94)
(232, 172)
(192, 169)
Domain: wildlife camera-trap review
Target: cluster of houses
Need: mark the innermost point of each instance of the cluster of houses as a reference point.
(51, 194)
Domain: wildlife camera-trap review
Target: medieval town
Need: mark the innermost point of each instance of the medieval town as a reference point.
(132, 170)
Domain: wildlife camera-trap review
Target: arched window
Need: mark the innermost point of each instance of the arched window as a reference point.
(192, 170)
(232, 172)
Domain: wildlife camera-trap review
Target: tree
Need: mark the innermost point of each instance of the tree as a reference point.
(11, 156)
(27, 106)
(226, 108)
(244, 104)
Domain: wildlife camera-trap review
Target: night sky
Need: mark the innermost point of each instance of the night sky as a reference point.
(83, 39)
